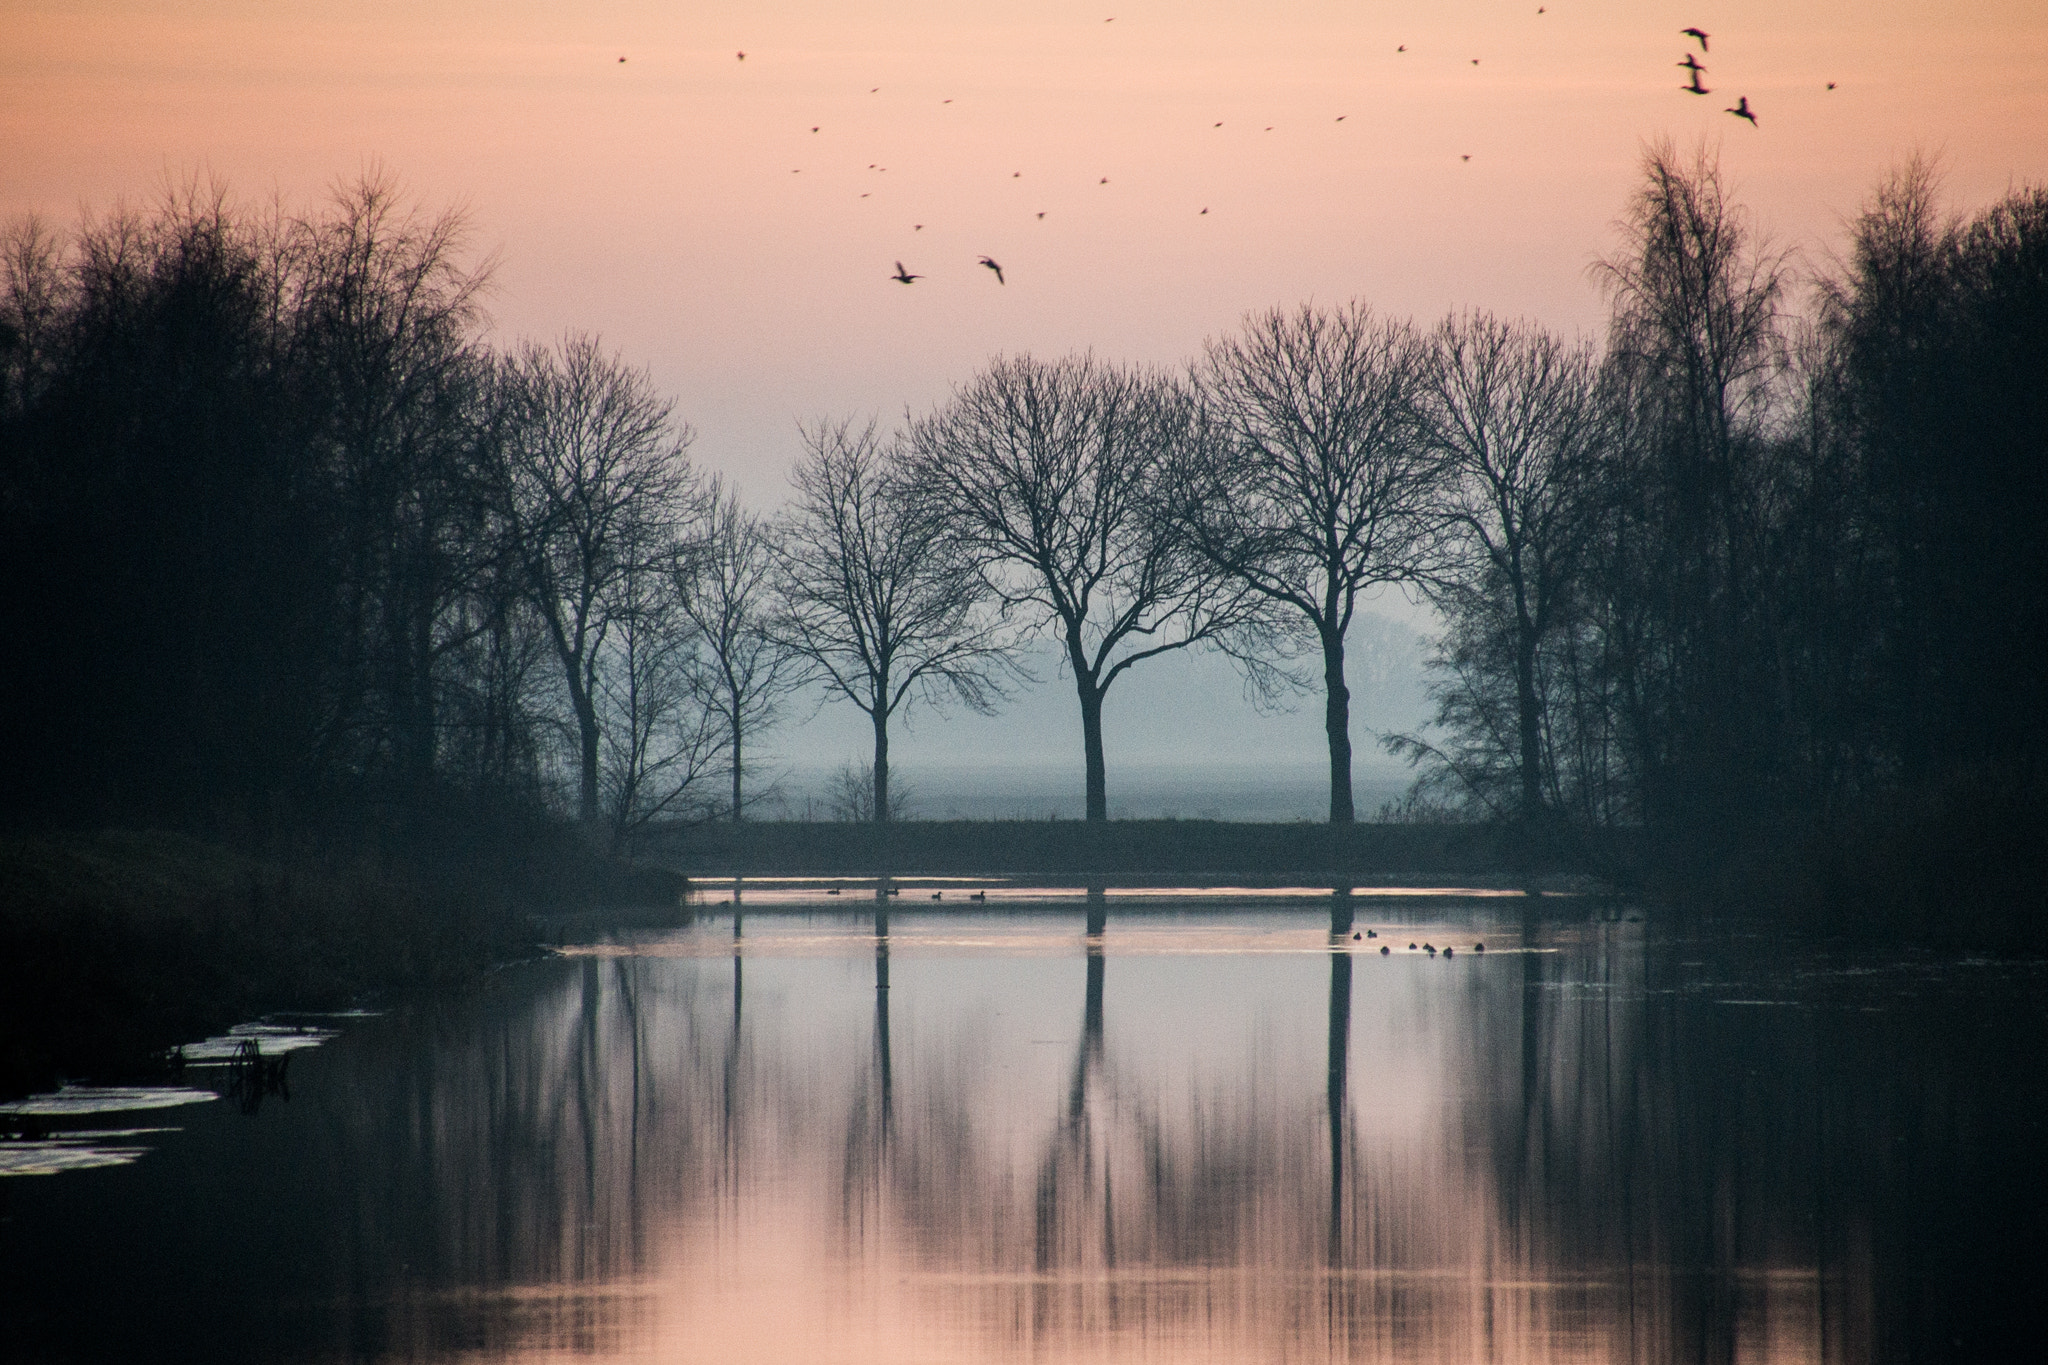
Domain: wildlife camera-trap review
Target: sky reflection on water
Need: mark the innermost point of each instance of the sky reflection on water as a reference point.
(1212, 1138)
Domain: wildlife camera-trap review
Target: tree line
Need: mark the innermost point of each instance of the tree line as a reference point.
(291, 542)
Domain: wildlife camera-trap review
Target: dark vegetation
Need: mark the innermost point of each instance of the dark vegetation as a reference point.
(302, 567)
(1135, 850)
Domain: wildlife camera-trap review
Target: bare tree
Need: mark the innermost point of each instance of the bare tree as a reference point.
(1311, 486)
(1510, 413)
(662, 744)
(881, 603)
(1048, 471)
(725, 587)
(598, 481)
(1696, 343)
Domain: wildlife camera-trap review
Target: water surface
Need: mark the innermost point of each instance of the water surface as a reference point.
(1217, 1133)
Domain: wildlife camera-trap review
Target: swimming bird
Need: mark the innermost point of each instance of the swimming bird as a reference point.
(1411, 947)
(979, 896)
(903, 276)
(1741, 110)
(1695, 33)
(938, 895)
(1356, 937)
(1384, 950)
(831, 890)
(1479, 947)
(1449, 952)
(1429, 948)
(1372, 933)
(993, 266)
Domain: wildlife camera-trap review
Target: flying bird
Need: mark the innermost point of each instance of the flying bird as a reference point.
(1340, 118)
(1689, 64)
(622, 59)
(814, 127)
(1103, 181)
(743, 56)
(1741, 110)
(1475, 61)
(990, 263)
(917, 227)
(1219, 123)
(903, 276)
(1466, 157)
(1203, 211)
(1696, 88)
(1402, 48)
(1016, 175)
(1695, 33)
(1831, 85)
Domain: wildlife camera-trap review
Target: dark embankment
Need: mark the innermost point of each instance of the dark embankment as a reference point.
(1148, 849)
(117, 945)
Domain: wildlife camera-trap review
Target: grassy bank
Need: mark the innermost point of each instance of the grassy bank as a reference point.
(117, 945)
(1138, 849)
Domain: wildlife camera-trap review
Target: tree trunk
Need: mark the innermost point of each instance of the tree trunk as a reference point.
(1337, 726)
(586, 725)
(881, 789)
(1091, 745)
(736, 762)
(1531, 719)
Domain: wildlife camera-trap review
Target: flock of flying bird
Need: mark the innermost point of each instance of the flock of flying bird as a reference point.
(1740, 109)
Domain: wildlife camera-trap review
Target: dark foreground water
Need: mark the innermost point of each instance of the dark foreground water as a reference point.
(1212, 1137)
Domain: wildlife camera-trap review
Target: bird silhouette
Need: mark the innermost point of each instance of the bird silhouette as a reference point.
(1831, 85)
(1340, 118)
(1200, 214)
(903, 276)
(1468, 156)
(622, 59)
(917, 227)
(832, 891)
(1219, 123)
(1103, 181)
(875, 90)
(979, 896)
(1041, 213)
(1016, 175)
(814, 127)
(1475, 61)
(1696, 88)
(938, 895)
(1741, 110)
(1402, 48)
(743, 56)
(1695, 33)
(993, 266)
(1690, 64)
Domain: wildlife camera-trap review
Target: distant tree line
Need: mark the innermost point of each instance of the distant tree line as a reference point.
(289, 542)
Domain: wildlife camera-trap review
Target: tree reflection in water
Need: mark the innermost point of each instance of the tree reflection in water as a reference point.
(1592, 1152)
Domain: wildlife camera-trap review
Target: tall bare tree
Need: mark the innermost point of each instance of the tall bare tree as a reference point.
(1696, 343)
(878, 598)
(1311, 486)
(1510, 413)
(1048, 471)
(725, 586)
(598, 484)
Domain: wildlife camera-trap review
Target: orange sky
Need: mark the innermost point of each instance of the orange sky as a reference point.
(679, 204)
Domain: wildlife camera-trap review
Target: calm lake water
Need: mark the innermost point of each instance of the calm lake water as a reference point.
(1216, 1135)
